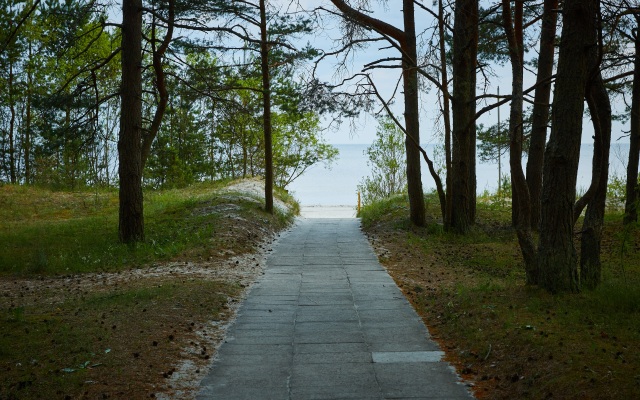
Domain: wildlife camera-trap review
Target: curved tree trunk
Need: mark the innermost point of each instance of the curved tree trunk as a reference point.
(131, 226)
(540, 117)
(600, 110)
(556, 252)
(157, 56)
(266, 103)
(521, 203)
(465, 48)
(633, 191)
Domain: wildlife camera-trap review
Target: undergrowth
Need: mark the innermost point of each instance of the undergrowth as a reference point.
(510, 339)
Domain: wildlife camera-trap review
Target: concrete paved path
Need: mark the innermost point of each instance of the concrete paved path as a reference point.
(326, 321)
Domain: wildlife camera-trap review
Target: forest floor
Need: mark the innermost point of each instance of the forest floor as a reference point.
(510, 340)
(146, 322)
(143, 332)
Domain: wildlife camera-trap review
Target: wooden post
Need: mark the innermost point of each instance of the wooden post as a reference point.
(358, 202)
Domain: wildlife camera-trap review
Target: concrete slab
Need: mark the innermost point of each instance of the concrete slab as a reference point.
(406, 356)
(328, 212)
(326, 321)
(304, 348)
(418, 380)
(333, 358)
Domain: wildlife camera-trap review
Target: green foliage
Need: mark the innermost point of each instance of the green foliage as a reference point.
(59, 112)
(297, 145)
(222, 137)
(387, 161)
(494, 142)
(616, 192)
(62, 113)
(385, 209)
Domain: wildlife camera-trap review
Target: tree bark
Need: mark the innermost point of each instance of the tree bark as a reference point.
(12, 125)
(556, 252)
(540, 116)
(633, 190)
(412, 116)
(266, 100)
(407, 41)
(465, 48)
(521, 202)
(446, 115)
(131, 218)
(160, 83)
(27, 132)
(600, 110)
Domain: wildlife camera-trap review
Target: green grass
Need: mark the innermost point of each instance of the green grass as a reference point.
(98, 340)
(514, 340)
(47, 232)
(384, 210)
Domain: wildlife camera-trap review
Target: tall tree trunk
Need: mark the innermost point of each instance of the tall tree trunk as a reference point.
(105, 160)
(67, 149)
(27, 140)
(131, 222)
(465, 49)
(12, 127)
(633, 191)
(212, 144)
(27, 132)
(411, 114)
(540, 116)
(446, 115)
(245, 153)
(266, 101)
(557, 254)
(407, 41)
(600, 110)
(521, 202)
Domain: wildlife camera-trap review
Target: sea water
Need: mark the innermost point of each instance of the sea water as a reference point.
(337, 184)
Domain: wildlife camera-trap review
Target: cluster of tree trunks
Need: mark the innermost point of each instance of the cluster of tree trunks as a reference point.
(557, 258)
(546, 205)
(544, 199)
(633, 189)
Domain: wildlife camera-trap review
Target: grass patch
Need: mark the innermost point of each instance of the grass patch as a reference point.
(47, 232)
(83, 316)
(516, 341)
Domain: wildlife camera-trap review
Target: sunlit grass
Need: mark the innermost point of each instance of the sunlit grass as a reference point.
(53, 232)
